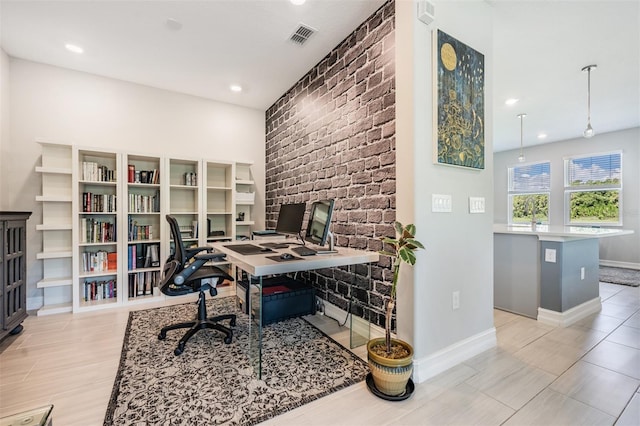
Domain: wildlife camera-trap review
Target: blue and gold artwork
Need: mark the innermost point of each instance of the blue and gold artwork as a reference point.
(460, 126)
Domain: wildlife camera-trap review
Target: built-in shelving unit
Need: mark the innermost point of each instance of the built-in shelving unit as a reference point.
(184, 201)
(142, 256)
(219, 201)
(105, 236)
(244, 200)
(97, 279)
(56, 198)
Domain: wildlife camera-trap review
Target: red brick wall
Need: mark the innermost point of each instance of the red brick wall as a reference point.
(332, 135)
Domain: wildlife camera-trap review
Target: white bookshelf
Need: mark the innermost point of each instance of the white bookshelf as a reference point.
(197, 192)
(97, 198)
(244, 200)
(143, 253)
(56, 172)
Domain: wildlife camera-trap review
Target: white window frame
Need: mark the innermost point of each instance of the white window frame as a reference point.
(511, 191)
(569, 189)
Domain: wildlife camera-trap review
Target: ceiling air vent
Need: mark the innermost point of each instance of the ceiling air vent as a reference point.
(302, 34)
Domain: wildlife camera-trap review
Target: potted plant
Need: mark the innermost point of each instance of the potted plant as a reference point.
(391, 360)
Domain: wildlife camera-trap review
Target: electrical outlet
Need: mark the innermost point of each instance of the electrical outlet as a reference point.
(455, 300)
(582, 273)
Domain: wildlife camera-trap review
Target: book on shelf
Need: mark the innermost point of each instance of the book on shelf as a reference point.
(142, 283)
(99, 290)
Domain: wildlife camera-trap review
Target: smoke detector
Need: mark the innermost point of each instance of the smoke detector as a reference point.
(302, 34)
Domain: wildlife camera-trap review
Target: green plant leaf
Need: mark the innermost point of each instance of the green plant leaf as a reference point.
(415, 243)
(399, 227)
(411, 228)
(387, 253)
(389, 240)
(407, 255)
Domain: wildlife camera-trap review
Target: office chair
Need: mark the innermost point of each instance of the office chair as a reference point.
(183, 273)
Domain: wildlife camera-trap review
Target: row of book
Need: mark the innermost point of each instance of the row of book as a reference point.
(139, 203)
(142, 176)
(143, 283)
(98, 203)
(100, 290)
(99, 261)
(94, 172)
(139, 232)
(96, 231)
(143, 256)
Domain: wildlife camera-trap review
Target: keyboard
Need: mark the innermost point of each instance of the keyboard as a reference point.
(303, 251)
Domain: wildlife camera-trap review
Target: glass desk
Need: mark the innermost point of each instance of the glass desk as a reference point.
(260, 265)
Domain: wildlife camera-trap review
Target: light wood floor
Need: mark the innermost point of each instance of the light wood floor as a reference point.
(588, 373)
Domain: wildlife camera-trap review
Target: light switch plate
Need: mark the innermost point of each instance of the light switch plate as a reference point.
(441, 203)
(550, 255)
(476, 204)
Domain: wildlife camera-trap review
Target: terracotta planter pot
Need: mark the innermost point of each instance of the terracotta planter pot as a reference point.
(390, 375)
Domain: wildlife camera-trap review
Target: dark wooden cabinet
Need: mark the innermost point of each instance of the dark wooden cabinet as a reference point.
(13, 271)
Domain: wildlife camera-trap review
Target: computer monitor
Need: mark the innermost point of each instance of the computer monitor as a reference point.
(318, 229)
(290, 218)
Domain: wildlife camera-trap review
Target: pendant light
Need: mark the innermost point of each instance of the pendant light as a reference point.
(588, 132)
(521, 156)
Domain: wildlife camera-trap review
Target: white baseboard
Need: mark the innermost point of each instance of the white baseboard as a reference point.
(616, 264)
(434, 364)
(571, 316)
(360, 327)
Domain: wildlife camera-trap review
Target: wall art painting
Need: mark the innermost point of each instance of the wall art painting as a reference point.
(459, 139)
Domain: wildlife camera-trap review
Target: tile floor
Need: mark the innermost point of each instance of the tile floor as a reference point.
(588, 373)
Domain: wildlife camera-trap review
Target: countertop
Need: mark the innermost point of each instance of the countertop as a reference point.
(555, 232)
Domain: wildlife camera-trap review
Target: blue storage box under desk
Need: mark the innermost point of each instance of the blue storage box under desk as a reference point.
(282, 298)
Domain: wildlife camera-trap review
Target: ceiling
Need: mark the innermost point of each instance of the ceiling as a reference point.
(539, 50)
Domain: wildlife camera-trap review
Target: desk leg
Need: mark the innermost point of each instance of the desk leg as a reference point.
(255, 323)
(359, 330)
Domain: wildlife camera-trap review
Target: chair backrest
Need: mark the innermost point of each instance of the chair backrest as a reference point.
(179, 252)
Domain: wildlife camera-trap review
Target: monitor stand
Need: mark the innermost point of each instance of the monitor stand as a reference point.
(332, 242)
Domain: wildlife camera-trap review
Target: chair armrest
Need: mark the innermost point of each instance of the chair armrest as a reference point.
(190, 252)
(218, 257)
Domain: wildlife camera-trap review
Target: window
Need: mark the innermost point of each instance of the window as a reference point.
(529, 187)
(593, 189)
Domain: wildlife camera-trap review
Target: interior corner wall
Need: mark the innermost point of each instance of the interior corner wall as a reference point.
(92, 111)
(4, 118)
(621, 251)
(332, 136)
(459, 245)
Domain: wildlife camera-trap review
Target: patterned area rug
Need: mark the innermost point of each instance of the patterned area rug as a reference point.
(620, 276)
(212, 383)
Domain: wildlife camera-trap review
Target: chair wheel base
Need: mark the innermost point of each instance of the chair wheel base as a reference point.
(232, 323)
(178, 351)
(227, 340)
(162, 336)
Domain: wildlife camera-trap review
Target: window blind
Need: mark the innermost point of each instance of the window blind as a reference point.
(599, 170)
(530, 178)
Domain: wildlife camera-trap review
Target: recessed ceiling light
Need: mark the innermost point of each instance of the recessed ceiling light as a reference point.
(542, 136)
(173, 24)
(73, 48)
(297, 2)
(511, 101)
(235, 88)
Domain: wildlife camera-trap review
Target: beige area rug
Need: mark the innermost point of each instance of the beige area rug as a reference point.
(212, 383)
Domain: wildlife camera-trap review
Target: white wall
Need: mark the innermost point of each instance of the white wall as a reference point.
(93, 111)
(625, 249)
(4, 115)
(459, 245)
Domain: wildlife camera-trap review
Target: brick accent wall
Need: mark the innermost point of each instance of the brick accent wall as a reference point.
(332, 135)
